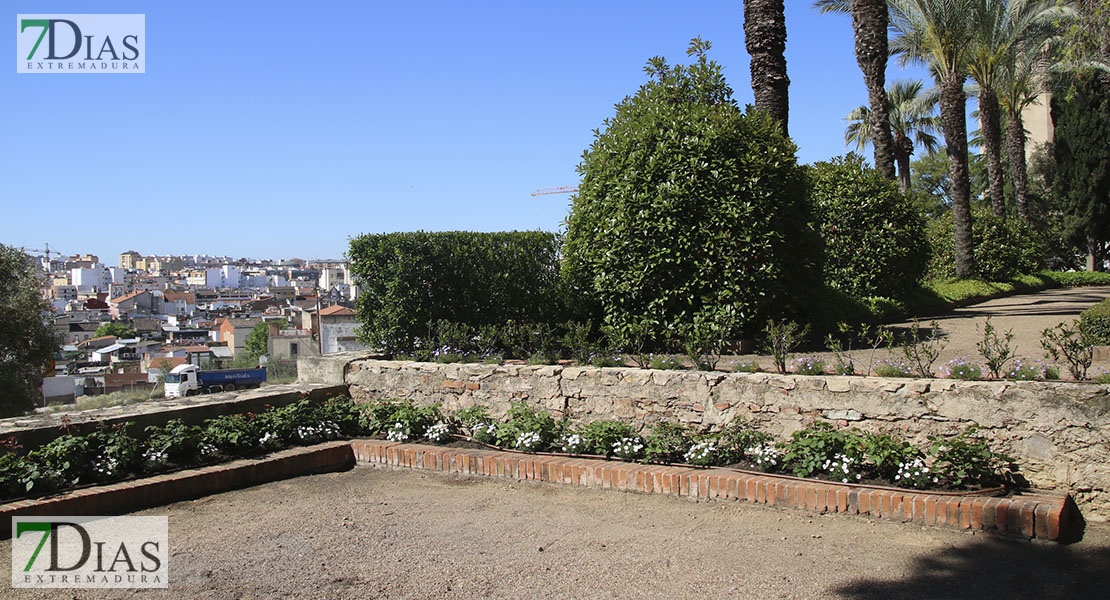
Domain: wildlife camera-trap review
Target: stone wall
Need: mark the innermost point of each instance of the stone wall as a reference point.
(1057, 432)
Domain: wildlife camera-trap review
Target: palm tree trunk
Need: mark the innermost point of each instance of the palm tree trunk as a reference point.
(869, 21)
(765, 38)
(953, 105)
(1015, 144)
(903, 150)
(992, 147)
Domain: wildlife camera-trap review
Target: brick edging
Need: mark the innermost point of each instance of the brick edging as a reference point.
(128, 496)
(1043, 516)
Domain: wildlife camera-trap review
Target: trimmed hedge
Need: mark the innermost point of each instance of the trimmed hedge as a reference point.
(409, 281)
(1003, 248)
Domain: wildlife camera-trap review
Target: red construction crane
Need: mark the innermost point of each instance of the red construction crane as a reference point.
(565, 189)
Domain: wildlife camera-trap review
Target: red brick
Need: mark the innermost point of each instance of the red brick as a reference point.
(473, 385)
(932, 505)
(841, 500)
(1028, 519)
(1055, 518)
(1040, 520)
(1014, 521)
(976, 510)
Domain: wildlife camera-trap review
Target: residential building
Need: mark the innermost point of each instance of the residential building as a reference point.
(127, 259)
(338, 325)
(234, 332)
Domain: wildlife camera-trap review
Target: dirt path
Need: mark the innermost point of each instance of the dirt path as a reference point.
(379, 533)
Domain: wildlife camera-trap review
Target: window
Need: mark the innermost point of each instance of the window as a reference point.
(293, 349)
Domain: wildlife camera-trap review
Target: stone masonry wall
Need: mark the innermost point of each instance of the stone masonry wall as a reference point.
(1057, 432)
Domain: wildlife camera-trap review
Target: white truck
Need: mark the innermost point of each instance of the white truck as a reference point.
(186, 380)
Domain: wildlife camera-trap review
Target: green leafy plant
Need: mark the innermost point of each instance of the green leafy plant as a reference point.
(1072, 343)
(600, 436)
(922, 349)
(667, 442)
(688, 203)
(664, 362)
(874, 238)
(528, 429)
(175, 442)
(782, 338)
(703, 453)
(844, 363)
(230, 435)
(736, 438)
(995, 350)
(892, 368)
(478, 424)
(809, 365)
(746, 366)
(966, 459)
(876, 338)
(821, 449)
(628, 448)
(961, 368)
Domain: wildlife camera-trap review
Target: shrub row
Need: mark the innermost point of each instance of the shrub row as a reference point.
(111, 454)
(961, 461)
(409, 281)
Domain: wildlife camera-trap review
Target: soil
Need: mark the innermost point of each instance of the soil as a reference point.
(381, 533)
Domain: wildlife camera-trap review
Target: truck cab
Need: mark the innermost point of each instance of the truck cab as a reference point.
(182, 381)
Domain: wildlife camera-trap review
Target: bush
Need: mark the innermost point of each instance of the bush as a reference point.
(528, 429)
(688, 209)
(961, 368)
(411, 281)
(1095, 321)
(874, 238)
(599, 437)
(1003, 248)
(667, 442)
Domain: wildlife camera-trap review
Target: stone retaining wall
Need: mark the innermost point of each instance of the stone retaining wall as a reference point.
(1057, 432)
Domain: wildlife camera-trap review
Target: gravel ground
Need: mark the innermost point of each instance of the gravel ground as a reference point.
(380, 533)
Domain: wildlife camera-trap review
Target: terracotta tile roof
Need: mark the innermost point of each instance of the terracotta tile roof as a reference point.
(127, 297)
(336, 311)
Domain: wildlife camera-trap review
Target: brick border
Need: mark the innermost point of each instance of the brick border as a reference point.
(128, 496)
(1042, 516)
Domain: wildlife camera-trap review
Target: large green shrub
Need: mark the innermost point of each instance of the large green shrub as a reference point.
(688, 209)
(409, 281)
(1095, 321)
(874, 237)
(1003, 248)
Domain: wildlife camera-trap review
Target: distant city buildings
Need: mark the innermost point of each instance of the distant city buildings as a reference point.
(194, 308)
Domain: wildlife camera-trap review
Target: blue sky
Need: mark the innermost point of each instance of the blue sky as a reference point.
(281, 129)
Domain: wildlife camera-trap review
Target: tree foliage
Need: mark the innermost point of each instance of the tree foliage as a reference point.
(26, 342)
(258, 341)
(874, 237)
(115, 328)
(689, 210)
(1082, 178)
(1004, 247)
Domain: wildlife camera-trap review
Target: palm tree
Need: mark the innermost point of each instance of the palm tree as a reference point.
(1001, 27)
(765, 38)
(939, 33)
(869, 24)
(912, 123)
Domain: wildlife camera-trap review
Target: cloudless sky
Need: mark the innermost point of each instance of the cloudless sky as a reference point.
(281, 129)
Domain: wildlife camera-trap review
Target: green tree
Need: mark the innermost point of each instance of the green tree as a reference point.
(869, 25)
(1082, 179)
(689, 210)
(912, 120)
(258, 341)
(931, 187)
(26, 342)
(939, 34)
(1001, 29)
(120, 330)
(874, 238)
(765, 40)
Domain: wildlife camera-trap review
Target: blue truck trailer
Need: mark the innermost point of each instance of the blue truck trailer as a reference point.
(186, 380)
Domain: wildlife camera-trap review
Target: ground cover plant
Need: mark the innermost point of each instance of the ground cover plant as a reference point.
(114, 453)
